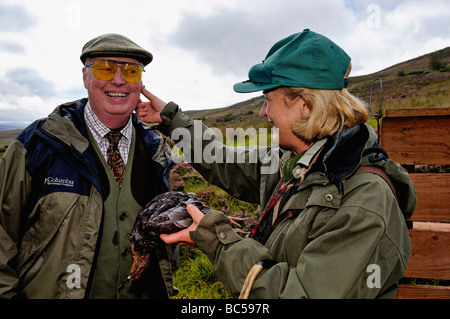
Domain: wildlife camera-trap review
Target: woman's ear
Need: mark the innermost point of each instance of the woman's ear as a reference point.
(304, 108)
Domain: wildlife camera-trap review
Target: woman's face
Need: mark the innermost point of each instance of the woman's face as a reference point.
(282, 115)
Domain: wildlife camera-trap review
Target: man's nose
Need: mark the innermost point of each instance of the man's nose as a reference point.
(118, 77)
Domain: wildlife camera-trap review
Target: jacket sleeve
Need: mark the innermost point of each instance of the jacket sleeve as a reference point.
(15, 186)
(234, 169)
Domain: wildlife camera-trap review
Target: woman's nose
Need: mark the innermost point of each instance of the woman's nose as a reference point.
(263, 111)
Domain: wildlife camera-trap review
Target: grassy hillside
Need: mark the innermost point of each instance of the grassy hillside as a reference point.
(422, 82)
(5, 138)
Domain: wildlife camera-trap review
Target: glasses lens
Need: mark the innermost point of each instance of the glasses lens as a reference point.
(132, 73)
(104, 70)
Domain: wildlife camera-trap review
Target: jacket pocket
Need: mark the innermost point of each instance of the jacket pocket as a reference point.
(50, 213)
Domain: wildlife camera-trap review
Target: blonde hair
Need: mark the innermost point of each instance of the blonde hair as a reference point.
(330, 111)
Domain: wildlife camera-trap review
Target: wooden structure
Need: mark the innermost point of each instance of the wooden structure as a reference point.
(421, 137)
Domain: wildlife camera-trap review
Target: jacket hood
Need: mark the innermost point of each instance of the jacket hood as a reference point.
(346, 151)
(66, 123)
(343, 151)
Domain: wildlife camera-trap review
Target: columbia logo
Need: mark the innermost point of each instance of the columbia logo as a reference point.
(55, 181)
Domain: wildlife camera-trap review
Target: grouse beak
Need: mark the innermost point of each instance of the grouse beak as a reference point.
(138, 267)
(133, 272)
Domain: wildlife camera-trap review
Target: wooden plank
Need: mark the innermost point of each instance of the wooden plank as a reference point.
(417, 140)
(436, 227)
(417, 112)
(430, 253)
(420, 137)
(433, 197)
(410, 291)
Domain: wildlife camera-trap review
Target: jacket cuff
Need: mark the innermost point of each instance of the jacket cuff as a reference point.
(214, 230)
(172, 118)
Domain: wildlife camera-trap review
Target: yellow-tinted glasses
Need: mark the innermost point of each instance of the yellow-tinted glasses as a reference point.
(106, 70)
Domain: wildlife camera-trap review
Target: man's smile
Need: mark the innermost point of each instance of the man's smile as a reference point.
(116, 94)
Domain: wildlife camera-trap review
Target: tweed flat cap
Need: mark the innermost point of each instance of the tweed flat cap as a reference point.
(114, 45)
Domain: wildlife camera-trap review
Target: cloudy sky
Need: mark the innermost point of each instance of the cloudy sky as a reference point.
(200, 47)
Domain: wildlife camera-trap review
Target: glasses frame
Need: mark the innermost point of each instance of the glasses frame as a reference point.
(117, 65)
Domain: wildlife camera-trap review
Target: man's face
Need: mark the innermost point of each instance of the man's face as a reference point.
(112, 101)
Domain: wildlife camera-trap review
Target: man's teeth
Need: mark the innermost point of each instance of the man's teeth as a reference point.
(112, 94)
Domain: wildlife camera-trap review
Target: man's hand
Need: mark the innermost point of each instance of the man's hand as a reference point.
(182, 237)
(150, 112)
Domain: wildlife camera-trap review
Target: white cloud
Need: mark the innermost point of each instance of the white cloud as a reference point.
(25, 109)
(234, 38)
(407, 30)
(14, 17)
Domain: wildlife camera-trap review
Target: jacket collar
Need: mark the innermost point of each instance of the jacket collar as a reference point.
(344, 150)
(66, 131)
(340, 156)
(66, 123)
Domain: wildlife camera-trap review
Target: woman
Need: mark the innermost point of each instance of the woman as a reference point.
(328, 228)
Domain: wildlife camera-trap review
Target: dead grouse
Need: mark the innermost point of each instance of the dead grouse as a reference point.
(164, 214)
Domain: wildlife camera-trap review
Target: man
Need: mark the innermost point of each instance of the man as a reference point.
(329, 229)
(71, 186)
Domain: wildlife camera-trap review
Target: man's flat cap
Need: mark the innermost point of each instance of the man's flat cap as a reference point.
(114, 45)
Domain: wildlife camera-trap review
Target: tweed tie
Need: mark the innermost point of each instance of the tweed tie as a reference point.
(115, 161)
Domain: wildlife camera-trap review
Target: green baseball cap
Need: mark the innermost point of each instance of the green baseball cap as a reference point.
(306, 59)
(114, 45)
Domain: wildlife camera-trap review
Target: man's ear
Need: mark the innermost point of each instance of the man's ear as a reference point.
(84, 77)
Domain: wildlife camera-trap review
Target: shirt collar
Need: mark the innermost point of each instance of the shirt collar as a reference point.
(99, 130)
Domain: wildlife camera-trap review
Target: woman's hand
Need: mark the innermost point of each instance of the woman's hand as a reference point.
(182, 237)
(150, 112)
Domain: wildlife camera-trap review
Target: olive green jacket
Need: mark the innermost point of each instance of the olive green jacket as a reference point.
(338, 235)
(52, 194)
